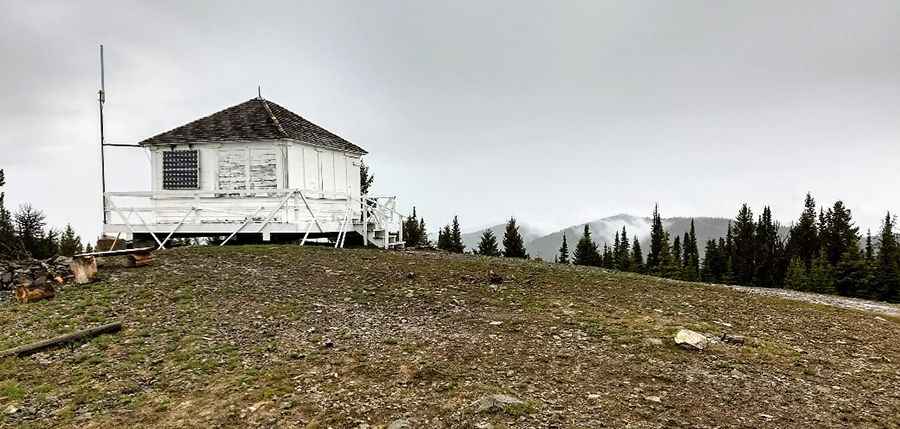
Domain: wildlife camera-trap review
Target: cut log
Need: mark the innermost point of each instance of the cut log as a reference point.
(26, 294)
(84, 268)
(34, 290)
(62, 339)
(140, 259)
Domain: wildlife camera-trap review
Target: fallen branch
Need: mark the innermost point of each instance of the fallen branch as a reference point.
(62, 339)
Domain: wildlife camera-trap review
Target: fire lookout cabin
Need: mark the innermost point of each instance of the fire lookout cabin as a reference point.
(254, 171)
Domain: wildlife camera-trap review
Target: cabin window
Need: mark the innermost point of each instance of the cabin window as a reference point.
(180, 170)
(246, 169)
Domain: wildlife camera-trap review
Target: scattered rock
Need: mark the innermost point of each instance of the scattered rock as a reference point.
(494, 278)
(733, 339)
(328, 343)
(691, 340)
(12, 409)
(411, 275)
(401, 424)
(656, 399)
(653, 341)
(496, 403)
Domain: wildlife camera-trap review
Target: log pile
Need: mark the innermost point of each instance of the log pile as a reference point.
(33, 279)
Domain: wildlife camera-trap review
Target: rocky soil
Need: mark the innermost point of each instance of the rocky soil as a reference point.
(267, 336)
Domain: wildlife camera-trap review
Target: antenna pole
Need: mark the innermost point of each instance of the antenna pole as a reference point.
(101, 99)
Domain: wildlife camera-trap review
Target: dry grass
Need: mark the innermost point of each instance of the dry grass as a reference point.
(235, 337)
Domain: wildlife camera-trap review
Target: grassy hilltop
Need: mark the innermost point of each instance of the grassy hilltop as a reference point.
(313, 337)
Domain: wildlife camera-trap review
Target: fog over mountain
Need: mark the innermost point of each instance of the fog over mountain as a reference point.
(471, 239)
(546, 246)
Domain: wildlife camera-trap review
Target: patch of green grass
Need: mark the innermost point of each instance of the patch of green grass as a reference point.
(11, 390)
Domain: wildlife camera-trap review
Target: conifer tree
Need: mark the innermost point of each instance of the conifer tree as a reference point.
(710, 271)
(69, 242)
(422, 234)
(623, 261)
(797, 278)
(607, 260)
(411, 229)
(870, 249)
(365, 179)
(660, 261)
(616, 249)
(821, 276)
(676, 256)
(637, 256)
(691, 258)
(886, 281)
(744, 247)
(488, 244)
(586, 250)
(513, 245)
(804, 238)
(456, 244)
(88, 248)
(838, 234)
(30, 224)
(563, 257)
(766, 251)
(443, 242)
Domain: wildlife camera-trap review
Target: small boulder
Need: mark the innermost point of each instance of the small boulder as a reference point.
(733, 339)
(496, 403)
(691, 340)
(400, 424)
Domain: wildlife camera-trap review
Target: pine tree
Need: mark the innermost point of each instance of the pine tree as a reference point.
(88, 248)
(616, 249)
(797, 277)
(456, 244)
(623, 260)
(870, 249)
(821, 276)
(69, 242)
(691, 258)
(676, 256)
(30, 224)
(804, 238)
(838, 233)
(513, 245)
(744, 254)
(488, 244)
(766, 251)
(710, 273)
(422, 234)
(637, 256)
(563, 257)
(586, 250)
(365, 179)
(886, 281)
(607, 260)
(657, 235)
(411, 230)
(444, 239)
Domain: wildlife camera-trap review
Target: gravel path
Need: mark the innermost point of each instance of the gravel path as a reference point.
(833, 300)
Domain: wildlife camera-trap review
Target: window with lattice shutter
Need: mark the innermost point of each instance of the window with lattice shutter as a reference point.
(180, 170)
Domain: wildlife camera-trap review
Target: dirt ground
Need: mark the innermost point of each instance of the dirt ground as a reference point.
(269, 336)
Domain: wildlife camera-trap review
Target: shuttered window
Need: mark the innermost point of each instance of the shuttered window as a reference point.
(180, 170)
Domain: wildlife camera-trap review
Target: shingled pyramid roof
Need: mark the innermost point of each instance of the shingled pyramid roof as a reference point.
(255, 119)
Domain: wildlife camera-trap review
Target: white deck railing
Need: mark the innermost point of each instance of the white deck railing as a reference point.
(251, 211)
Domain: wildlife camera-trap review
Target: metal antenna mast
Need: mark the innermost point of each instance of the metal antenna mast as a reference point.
(101, 99)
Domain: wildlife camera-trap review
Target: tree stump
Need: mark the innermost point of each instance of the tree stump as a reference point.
(84, 268)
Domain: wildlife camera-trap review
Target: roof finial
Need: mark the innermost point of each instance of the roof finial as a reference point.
(259, 92)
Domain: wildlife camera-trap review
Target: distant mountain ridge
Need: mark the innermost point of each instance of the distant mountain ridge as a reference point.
(604, 231)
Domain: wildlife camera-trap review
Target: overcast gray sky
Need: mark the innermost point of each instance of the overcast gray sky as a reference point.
(556, 112)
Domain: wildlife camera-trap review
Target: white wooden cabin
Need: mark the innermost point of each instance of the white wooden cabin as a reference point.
(254, 171)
